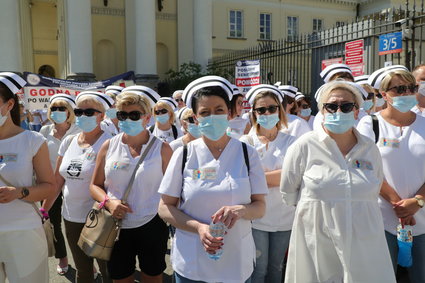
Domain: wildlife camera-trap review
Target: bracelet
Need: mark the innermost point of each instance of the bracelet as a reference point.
(102, 204)
(44, 213)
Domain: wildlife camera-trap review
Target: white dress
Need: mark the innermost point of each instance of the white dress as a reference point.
(208, 185)
(338, 231)
(296, 126)
(237, 127)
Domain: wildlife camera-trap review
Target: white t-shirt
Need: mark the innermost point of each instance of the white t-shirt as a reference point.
(416, 110)
(37, 120)
(109, 127)
(279, 216)
(77, 169)
(166, 136)
(237, 127)
(209, 184)
(176, 143)
(403, 157)
(296, 126)
(54, 143)
(119, 167)
(16, 154)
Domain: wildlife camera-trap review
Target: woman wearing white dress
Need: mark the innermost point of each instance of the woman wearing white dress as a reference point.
(190, 128)
(400, 137)
(238, 126)
(61, 114)
(165, 128)
(222, 182)
(74, 170)
(23, 246)
(272, 231)
(304, 110)
(143, 235)
(110, 122)
(333, 175)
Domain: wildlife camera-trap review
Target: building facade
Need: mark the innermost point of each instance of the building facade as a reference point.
(108, 37)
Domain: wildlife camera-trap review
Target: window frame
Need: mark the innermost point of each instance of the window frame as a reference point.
(265, 35)
(233, 27)
(316, 22)
(292, 37)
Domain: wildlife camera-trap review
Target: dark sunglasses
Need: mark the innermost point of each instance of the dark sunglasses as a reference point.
(87, 112)
(190, 120)
(370, 95)
(272, 109)
(403, 88)
(58, 108)
(179, 100)
(333, 107)
(305, 106)
(133, 115)
(378, 95)
(162, 111)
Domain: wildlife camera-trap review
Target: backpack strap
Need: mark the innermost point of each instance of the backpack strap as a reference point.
(375, 126)
(174, 129)
(245, 155)
(184, 157)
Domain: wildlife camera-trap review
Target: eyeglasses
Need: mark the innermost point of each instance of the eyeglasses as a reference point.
(87, 112)
(403, 88)
(272, 109)
(333, 107)
(162, 111)
(58, 108)
(133, 115)
(370, 95)
(305, 106)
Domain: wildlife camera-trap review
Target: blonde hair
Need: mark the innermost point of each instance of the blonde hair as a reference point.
(86, 98)
(339, 85)
(131, 98)
(165, 105)
(402, 74)
(281, 112)
(61, 103)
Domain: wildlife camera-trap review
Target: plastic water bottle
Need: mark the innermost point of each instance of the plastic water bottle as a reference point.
(217, 230)
(405, 242)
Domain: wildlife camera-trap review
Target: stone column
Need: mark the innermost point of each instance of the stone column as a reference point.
(202, 31)
(10, 33)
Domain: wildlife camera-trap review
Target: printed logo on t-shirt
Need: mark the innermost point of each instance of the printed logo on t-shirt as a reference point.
(118, 165)
(361, 164)
(209, 173)
(8, 157)
(74, 169)
(90, 155)
(394, 143)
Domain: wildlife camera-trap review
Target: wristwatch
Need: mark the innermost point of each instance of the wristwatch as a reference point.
(24, 193)
(420, 201)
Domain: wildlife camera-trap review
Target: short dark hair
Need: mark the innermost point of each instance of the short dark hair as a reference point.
(209, 91)
(233, 103)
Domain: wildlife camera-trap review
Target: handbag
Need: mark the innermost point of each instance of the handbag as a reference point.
(101, 230)
(47, 225)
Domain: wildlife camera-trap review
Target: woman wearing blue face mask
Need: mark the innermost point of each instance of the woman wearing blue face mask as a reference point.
(143, 234)
(400, 136)
(189, 127)
(304, 110)
(74, 169)
(271, 232)
(61, 114)
(214, 179)
(165, 128)
(333, 175)
(110, 122)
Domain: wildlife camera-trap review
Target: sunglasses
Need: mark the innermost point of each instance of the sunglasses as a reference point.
(58, 108)
(133, 115)
(272, 109)
(403, 88)
(333, 107)
(370, 95)
(162, 111)
(179, 100)
(190, 120)
(305, 106)
(378, 95)
(87, 112)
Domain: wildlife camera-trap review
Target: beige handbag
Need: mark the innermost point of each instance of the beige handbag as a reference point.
(48, 227)
(101, 229)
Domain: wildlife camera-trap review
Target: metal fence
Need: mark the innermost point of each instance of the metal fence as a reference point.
(298, 61)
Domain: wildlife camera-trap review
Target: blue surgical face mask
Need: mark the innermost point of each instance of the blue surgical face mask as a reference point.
(404, 103)
(193, 129)
(111, 113)
(3, 118)
(86, 124)
(339, 122)
(214, 126)
(379, 102)
(130, 127)
(163, 118)
(367, 104)
(58, 116)
(305, 112)
(268, 121)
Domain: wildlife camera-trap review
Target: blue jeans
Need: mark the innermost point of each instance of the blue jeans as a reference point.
(271, 249)
(417, 270)
(180, 279)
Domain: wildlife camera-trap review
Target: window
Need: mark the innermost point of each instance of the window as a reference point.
(339, 24)
(317, 25)
(236, 24)
(265, 26)
(292, 28)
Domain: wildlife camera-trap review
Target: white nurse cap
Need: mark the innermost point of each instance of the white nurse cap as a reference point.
(333, 69)
(288, 90)
(144, 91)
(106, 101)
(12, 81)
(376, 77)
(170, 101)
(65, 97)
(252, 93)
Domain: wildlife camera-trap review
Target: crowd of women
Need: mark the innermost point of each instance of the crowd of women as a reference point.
(323, 194)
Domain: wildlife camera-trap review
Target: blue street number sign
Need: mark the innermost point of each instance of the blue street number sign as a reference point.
(390, 43)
